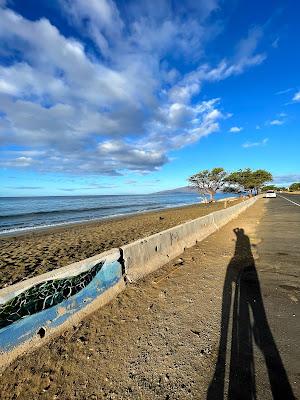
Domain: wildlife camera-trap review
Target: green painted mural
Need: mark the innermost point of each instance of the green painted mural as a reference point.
(45, 295)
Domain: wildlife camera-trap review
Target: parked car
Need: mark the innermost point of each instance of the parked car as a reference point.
(270, 193)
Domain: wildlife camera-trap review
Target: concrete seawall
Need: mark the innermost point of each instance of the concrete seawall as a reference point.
(146, 255)
(35, 309)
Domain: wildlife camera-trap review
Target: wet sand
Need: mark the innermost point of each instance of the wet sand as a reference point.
(27, 255)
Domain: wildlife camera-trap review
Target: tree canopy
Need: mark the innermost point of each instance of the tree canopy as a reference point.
(248, 180)
(272, 187)
(209, 181)
(294, 186)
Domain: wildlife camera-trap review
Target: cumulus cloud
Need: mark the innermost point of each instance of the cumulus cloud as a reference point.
(235, 129)
(255, 144)
(99, 20)
(133, 156)
(118, 104)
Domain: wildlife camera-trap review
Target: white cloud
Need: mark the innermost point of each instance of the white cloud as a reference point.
(277, 122)
(235, 129)
(287, 179)
(296, 96)
(284, 91)
(244, 58)
(275, 43)
(135, 157)
(99, 20)
(19, 162)
(67, 66)
(255, 144)
(122, 107)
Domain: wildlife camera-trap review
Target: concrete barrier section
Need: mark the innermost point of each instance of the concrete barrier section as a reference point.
(146, 255)
(222, 217)
(39, 306)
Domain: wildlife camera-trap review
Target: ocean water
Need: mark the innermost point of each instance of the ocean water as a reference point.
(19, 214)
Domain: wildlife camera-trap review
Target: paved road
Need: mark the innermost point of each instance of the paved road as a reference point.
(259, 353)
(278, 268)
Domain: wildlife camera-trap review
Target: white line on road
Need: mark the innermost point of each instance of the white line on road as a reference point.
(291, 201)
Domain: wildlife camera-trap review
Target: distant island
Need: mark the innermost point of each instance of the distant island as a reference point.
(183, 189)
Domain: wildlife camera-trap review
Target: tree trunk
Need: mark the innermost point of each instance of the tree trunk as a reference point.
(211, 196)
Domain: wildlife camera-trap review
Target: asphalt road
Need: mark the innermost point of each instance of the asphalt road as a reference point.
(278, 266)
(258, 356)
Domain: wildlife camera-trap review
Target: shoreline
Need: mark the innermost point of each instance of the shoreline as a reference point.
(30, 254)
(23, 231)
(66, 225)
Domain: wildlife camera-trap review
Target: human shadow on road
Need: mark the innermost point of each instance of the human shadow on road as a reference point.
(243, 305)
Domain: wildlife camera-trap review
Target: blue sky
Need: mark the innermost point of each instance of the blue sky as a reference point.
(102, 96)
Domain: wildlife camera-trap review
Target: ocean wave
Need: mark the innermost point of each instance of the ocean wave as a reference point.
(5, 230)
(70, 210)
(29, 228)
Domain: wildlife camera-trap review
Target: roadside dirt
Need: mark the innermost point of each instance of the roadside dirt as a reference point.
(157, 340)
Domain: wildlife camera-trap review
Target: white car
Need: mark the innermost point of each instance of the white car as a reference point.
(270, 193)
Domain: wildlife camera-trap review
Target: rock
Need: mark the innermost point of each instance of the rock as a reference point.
(83, 339)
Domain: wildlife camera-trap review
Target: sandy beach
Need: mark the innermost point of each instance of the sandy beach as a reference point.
(31, 254)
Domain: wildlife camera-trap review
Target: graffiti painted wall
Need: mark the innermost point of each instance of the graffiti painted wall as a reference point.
(48, 304)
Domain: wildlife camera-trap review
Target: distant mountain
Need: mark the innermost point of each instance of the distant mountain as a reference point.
(183, 189)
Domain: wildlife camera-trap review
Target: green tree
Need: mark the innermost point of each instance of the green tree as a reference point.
(208, 182)
(294, 187)
(248, 180)
(260, 177)
(241, 180)
(269, 187)
(273, 187)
